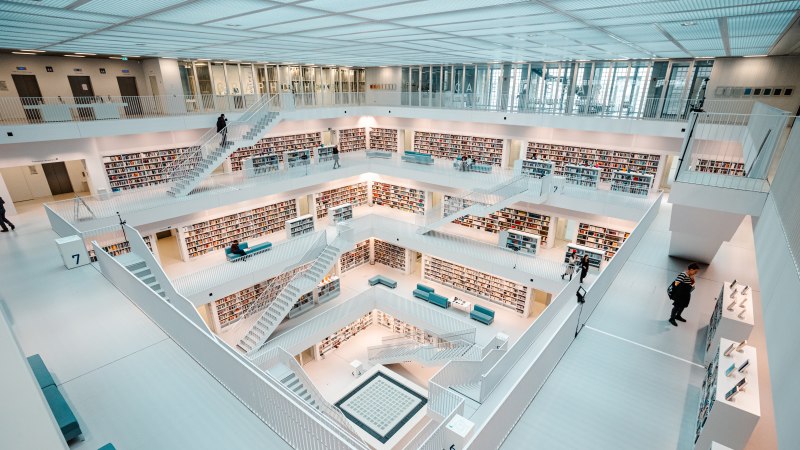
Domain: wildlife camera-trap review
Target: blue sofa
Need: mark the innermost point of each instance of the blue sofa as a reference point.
(262, 247)
(416, 157)
(108, 447)
(380, 279)
(58, 405)
(379, 154)
(438, 300)
(482, 314)
(419, 293)
(422, 287)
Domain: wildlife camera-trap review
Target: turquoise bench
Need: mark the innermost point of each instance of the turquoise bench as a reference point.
(422, 287)
(64, 416)
(380, 279)
(481, 168)
(108, 447)
(416, 157)
(262, 247)
(379, 154)
(419, 293)
(438, 300)
(482, 314)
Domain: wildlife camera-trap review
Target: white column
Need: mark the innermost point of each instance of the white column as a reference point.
(698, 233)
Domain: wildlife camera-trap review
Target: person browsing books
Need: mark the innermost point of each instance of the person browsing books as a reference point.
(681, 293)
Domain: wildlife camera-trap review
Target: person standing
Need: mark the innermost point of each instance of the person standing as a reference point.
(336, 164)
(222, 127)
(3, 220)
(572, 261)
(681, 293)
(584, 267)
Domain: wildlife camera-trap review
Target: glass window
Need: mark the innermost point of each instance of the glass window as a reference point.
(187, 78)
(248, 84)
(580, 95)
(674, 101)
(655, 88)
(261, 76)
(632, 102)
(482, 86)
(220, 83)
(234, 84)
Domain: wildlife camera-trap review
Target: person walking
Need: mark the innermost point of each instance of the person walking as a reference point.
(584, 267)
(222, 127)
(572, 261)
(3, 220)
(336, 164)
(681, 293)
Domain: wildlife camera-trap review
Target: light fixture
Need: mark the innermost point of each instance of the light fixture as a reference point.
(113, 57)
(131, 56)
(689, 23)
(33, 51)
(24, 53)
(755, 56)
(75, 56)
(168, 57)
(200, 64)
(204, 59)
(704, 57)
(234, 60)
(87, 54)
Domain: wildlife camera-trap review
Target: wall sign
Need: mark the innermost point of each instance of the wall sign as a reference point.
(125, 71)
(48, 68)
(22, 68)
(102, 70)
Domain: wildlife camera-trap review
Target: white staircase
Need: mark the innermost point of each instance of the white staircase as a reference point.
(482, 203)
(277, 309)
(292, 382)
(411, 350)
(187, 173)
(138, 267)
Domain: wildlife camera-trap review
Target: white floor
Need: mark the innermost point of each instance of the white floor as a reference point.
(126, 381)
(631, 380)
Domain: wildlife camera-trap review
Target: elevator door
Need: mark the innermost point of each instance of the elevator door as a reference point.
(84, 94)
(130, 95)
(29, 94)
(57, 178)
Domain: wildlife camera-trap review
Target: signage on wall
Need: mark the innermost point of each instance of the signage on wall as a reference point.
(48, 68)
(22, 68)
(77, 69)
(737, 91)
(125, 71)
(44, 160)
(102, 70)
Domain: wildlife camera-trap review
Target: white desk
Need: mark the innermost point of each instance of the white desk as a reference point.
(357, 366)
(463, 305)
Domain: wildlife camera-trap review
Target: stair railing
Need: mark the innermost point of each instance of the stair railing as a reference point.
(212, 140)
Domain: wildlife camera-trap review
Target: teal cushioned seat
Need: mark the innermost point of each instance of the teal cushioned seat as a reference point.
(64, 417)
(40, 371)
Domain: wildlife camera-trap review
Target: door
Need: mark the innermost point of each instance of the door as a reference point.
(84, 94)
(29, 94)
(57, 178)
(130, 95)
(156, 93)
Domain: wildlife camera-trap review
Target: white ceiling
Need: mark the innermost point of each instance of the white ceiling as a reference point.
(393, 32)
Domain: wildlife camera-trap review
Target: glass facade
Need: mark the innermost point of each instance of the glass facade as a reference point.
(628, 88)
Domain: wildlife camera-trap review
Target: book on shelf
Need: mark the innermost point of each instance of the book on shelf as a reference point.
(340, 336)
(140, 169)
(341, 213)
(356, 257)
(631, 182)
(602, 238)
(390, 255)
(213, 234)
(352, 139)
(483, 150)
(536, 168)
(504, 292)
(295, 158)
(721, 167)
(299, 226)
(519, 241)
(277, 145)
(354, 194)
(505, 219)
(399, 197)
(595, 256)
(383, 139)
(582, 175)
(606, 160)
(261, 164)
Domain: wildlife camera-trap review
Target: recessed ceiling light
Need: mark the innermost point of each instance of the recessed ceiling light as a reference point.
(24, 53)
(132, 56)
(75, 56)
(234, 60)
(689, 23)
(755, 56)
(168, 57)
(34, 51)
(232, 25)
(204, 59)
(87, 54)
(704, 57)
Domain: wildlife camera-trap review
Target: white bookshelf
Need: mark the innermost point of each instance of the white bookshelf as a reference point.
(140, 169)
(582, 175)
(519, 241)
(729, 422)
(352, 139)
(404, 328)
(277, 145)
(259, 165)
(383, 139)
(631, 183)
(595, 256)
(606, 239)
(732, 317)
(328, 288)
(390, 255)
(536, 168)
(325, 154)
(341, 213)
(356, 257)
(505, 219)
(299, 226)
(483, 150)
(506, 293)
(720, 166)
(340, 336)
(606, 160)
(354, 194)
(399, 197)
(213, 234)
(297, 158)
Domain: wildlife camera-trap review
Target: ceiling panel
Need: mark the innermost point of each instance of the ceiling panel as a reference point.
(382, 32)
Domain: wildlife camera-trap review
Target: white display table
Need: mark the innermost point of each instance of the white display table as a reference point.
(728, 422)
(463, 305)
(727, 324)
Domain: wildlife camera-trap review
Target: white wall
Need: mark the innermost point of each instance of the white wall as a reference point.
(377, 78)
(773, 71)
(55, 83)
(23, 185)
(9, 205)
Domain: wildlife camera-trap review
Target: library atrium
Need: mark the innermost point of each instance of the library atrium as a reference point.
(399, 224)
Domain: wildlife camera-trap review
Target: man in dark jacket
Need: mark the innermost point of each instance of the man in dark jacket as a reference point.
(682, 289)
(222, 124)
(3, 220)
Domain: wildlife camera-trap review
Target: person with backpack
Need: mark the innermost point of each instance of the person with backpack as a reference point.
(680, 292)
(222, 127)
(336, 164)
